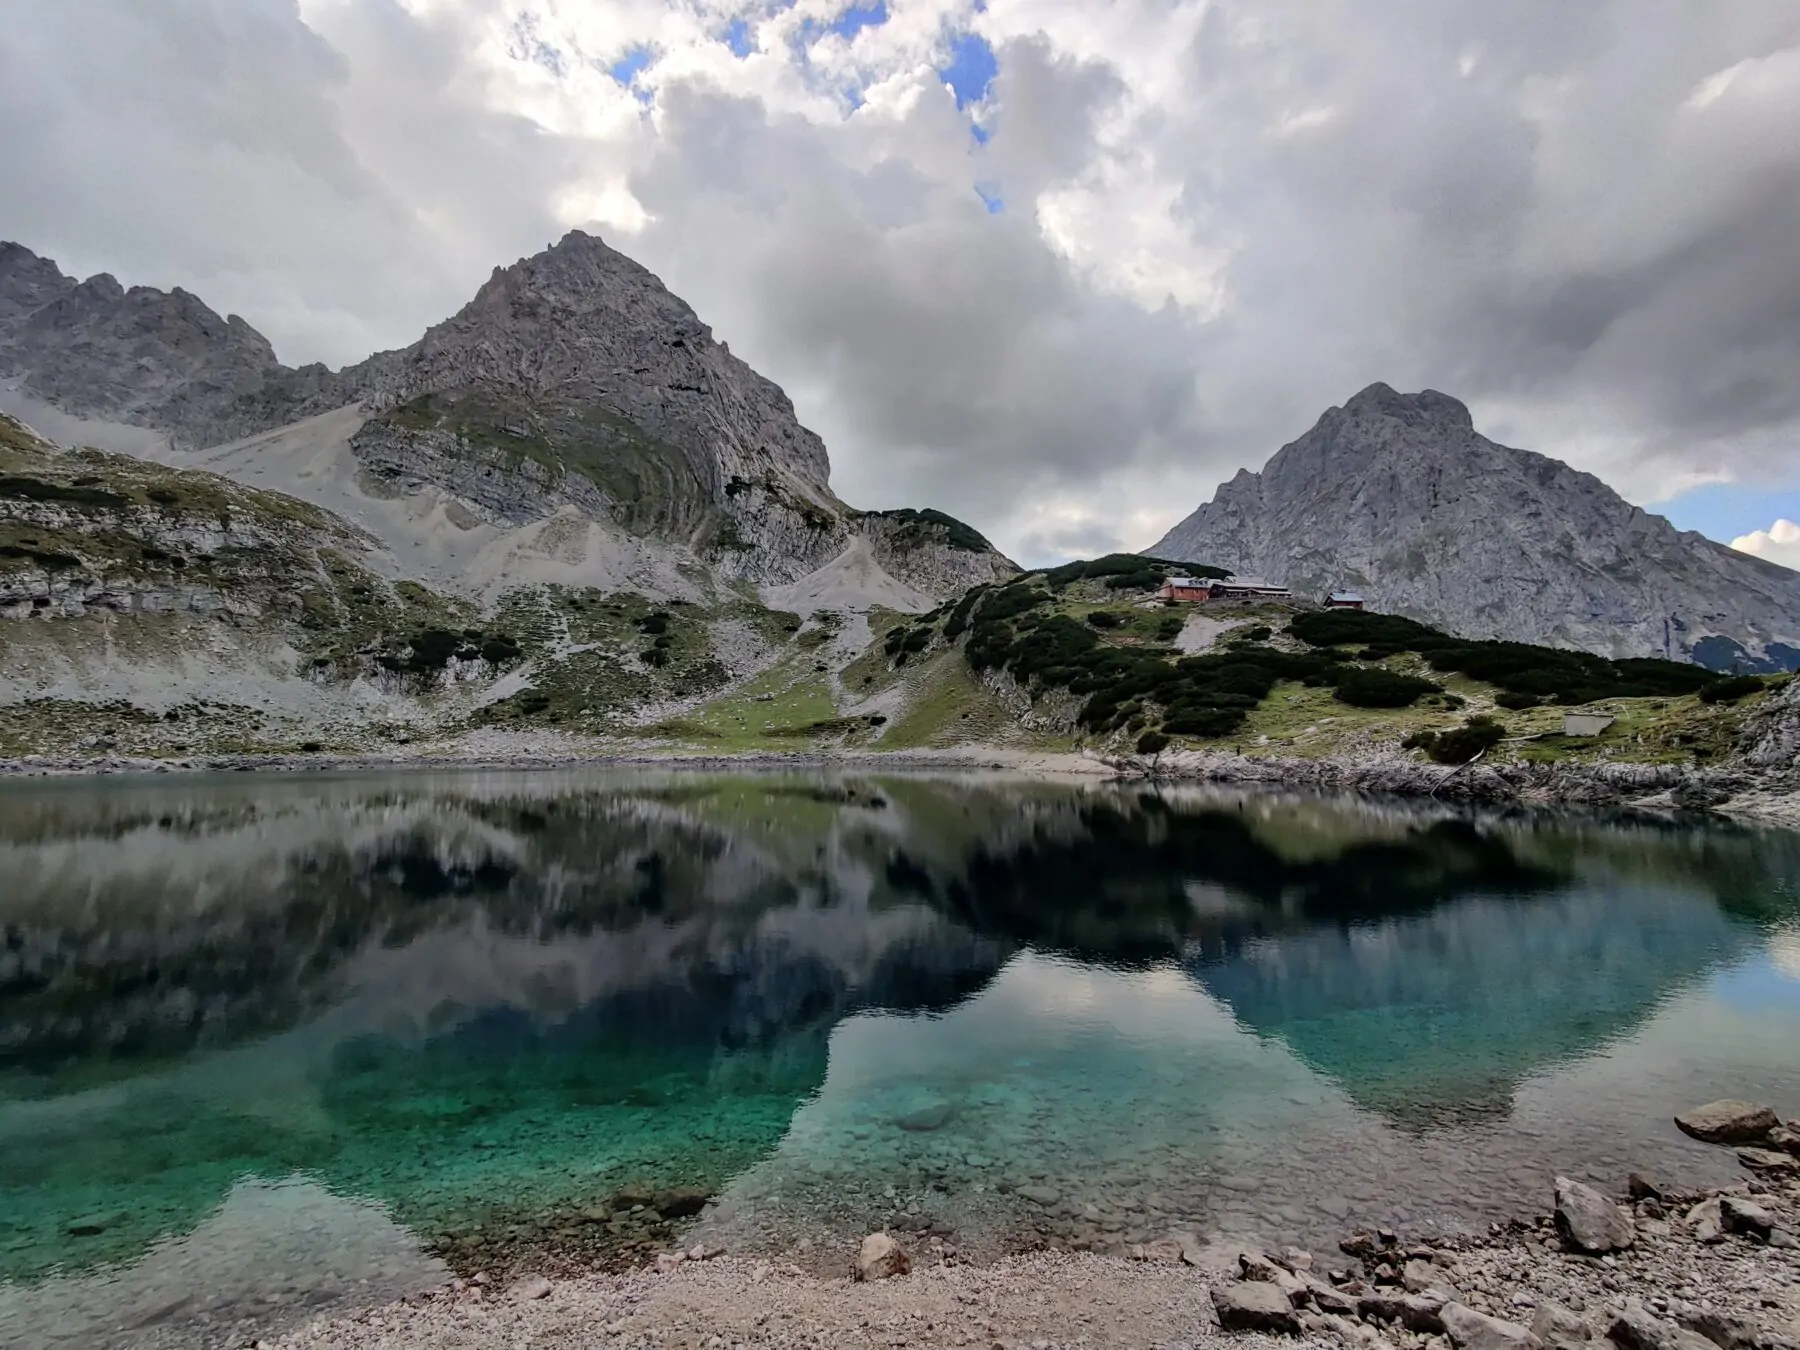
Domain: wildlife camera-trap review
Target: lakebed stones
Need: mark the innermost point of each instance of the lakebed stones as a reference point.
(1255, 1306)
(1588, 1222)
(881, 1258)
(1728, 1122)
(530, 1288)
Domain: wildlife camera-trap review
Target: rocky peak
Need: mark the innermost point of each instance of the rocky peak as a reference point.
(1426, 408)
(1396, 495)
(586, 322)
(27, 284)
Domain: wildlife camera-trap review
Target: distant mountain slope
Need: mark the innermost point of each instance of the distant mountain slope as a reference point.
(1399, 497)
(573, 385)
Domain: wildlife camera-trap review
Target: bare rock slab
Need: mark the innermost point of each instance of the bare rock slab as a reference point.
(1635, 1329)
(1728, 1122)
(1589, 1222)
(1470, 1330)
(1560, 1328)
(1741, 1215)
(881, 1258)
(1255, 1306)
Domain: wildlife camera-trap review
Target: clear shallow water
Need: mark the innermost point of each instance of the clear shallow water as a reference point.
(269, 1045)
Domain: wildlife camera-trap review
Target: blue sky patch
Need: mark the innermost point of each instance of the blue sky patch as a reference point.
(858, 17)
(737, 37)
(971, 68)
(981, 134)
(1723, 511)
(990, 197)
(627, 67)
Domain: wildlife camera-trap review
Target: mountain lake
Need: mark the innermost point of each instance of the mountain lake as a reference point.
(279, 1045)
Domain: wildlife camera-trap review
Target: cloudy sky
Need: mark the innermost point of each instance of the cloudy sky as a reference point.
(1057, 266)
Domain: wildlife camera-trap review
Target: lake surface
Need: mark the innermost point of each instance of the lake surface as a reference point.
(271, 1045)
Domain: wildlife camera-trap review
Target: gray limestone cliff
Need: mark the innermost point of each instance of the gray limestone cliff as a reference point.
(572, 378)
(1397, 496)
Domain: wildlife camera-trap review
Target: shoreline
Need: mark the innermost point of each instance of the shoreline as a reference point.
(1554, 1282)
(1767, 796)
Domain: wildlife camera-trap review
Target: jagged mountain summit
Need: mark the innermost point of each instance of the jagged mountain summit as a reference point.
(574, 421)
(1399, 497)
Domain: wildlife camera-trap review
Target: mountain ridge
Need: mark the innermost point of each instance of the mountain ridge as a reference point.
(1397, 495)
(573, 378)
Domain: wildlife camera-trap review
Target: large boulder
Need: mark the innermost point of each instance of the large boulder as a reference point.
(1589, 1222)
(1706, 1221)
(1635, 1329)
(1728, 1122)
(1560, 1328)
(1255, 1306)
(1745, 1216)
(881, 1258)
(1470, 1330)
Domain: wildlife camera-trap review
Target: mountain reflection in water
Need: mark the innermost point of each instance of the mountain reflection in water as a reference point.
(489, 1001)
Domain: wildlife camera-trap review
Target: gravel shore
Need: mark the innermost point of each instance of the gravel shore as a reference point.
(1041, 1300)
(1676, 1284)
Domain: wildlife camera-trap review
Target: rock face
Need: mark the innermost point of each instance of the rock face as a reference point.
(573, 378)
(1588, 1221)
(1728, 1122)
(1397, 496)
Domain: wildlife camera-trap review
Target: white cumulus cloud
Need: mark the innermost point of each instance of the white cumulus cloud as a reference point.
(1780, 543)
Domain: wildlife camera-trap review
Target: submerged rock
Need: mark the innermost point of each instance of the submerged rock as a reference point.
(881, 1258)
(680, 1202)
(1728, 1122)
(926, 1118)
(1589, 1222)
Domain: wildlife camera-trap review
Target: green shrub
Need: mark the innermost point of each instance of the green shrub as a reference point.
(657, 622)
(1506, 698)
(1458, 745)
(1104, 618)
(1378, 688)
(1544, 673)
(955, 533)
(1261, 633)
(654, 656)
(1146, 580)
(499, 649)
(1731, 689)
(958, 621)
(1152, 743)
(20, 488)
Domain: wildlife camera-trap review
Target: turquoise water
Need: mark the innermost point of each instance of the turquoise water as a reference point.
(269, 1045)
